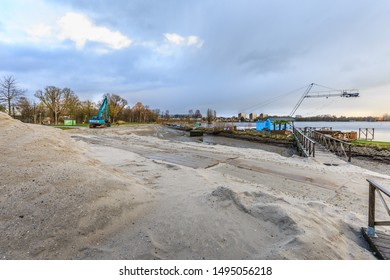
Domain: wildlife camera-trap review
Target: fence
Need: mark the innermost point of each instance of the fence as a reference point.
(373, 189)
(305, 145)
(334, 145)
(367, 133)
(323, 128)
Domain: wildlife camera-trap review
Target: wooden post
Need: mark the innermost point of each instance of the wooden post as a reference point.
(371, 211)
(314, 149)
(349, 152)
(305, 141)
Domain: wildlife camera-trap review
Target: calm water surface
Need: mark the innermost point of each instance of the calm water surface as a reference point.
(381, 132)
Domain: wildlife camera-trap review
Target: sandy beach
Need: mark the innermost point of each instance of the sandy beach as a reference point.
(141, 192)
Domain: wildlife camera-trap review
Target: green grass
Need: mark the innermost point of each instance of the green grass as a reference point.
(61, 125)
(87, 125)
(263, 135)
(371, 143)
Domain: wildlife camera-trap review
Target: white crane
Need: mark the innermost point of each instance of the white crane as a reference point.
(327, 93)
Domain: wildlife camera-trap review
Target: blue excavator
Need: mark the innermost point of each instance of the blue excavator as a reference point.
(100, 120)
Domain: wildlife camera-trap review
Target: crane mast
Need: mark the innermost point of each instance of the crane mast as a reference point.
(301, 99)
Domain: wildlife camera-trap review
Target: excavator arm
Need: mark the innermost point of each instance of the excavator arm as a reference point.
(102, 108)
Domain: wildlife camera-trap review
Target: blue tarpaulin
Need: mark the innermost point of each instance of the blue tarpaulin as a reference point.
(268, 125)
(264, 125)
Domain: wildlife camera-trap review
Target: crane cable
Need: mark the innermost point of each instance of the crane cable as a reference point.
(332, 89)
(321, 106)
(274, 99)
(271, 100)
(306, 94)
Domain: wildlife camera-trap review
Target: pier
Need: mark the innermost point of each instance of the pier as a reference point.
(334, 145)
(305, 146)
(325, 149)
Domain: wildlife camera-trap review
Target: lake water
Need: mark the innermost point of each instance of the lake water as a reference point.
(382, 129)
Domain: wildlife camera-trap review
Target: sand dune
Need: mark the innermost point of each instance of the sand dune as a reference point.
(136, 193)
(53, 200)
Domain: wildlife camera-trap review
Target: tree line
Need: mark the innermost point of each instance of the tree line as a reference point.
(54, 105)
(330, 118)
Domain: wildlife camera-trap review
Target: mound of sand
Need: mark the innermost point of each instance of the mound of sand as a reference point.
(53, 200)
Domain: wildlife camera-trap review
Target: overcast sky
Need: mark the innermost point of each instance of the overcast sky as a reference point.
(231, 56)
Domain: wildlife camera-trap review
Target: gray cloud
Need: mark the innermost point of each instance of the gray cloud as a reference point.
(252, 51)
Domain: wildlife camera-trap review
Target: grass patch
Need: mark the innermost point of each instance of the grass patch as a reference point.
(371, 143)
(61, 125)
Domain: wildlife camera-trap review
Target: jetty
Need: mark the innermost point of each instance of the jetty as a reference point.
(324, 148)
(322, 142)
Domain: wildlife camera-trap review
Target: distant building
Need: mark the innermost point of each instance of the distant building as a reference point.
(241, 115)
(252, 116)
(263, 116)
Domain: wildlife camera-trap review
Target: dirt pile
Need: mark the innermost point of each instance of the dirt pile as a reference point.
(53, 200)
(291, 232)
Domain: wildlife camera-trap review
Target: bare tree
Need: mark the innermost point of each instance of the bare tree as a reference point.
(136, 112)
(141, 113)
(88, 109)
(167, 116)
(198, 114)
(210, 115)
(26, 109)
(115, 105)
(52, 98)
(190, 113)
(10, 92)
(71, 102)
